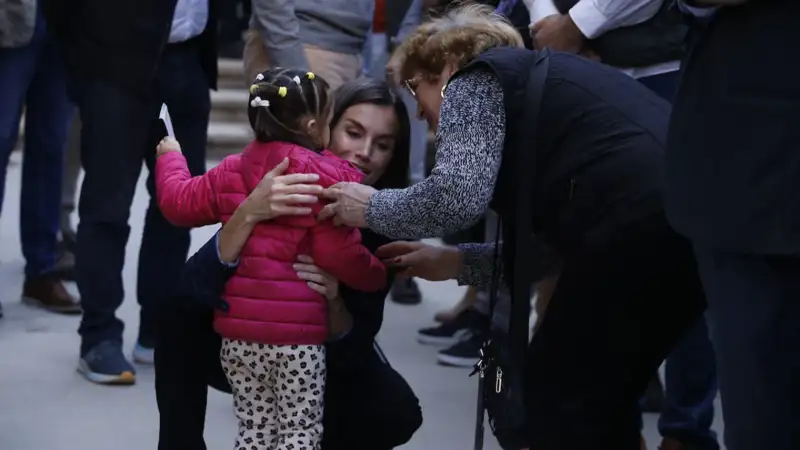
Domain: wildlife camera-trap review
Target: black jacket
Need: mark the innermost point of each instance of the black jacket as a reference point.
(369, 406)
(122, 40)
(733, 166)
(599, 147)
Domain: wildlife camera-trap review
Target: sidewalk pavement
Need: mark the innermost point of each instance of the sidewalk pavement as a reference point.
(45, 404)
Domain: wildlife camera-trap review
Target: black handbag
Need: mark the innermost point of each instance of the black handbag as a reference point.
(501, 368)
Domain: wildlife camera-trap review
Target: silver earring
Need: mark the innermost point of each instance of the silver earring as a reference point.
(443, 88)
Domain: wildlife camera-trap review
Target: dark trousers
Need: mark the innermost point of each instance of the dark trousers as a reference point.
(120, 132)
(33, 77)
(690, 377)
(754, 320)
(370, 407)
(600, 322)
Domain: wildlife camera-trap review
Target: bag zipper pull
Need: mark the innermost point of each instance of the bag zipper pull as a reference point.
(498, 384)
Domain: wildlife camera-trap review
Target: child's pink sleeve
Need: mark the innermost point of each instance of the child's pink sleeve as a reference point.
(338, 251)
(186, 201)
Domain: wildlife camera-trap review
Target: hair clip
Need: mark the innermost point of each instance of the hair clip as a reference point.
(296, 79)
(282, 91)
(259, 77)
(256, 102)
(253, 89)
(310, 75)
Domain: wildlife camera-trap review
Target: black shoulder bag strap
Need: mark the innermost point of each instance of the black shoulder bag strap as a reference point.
(517, 247)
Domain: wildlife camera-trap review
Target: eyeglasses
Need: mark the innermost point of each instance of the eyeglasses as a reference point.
(411, 86)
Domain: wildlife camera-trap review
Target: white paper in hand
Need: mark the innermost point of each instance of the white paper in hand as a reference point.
(164, 116)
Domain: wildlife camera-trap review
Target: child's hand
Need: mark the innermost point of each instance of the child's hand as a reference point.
(167, 145)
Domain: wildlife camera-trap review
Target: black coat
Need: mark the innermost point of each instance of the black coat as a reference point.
(733, 165)
(122, 40)
(368, 405)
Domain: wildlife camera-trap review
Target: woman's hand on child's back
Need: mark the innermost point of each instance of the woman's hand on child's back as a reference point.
(317, 279)
(340, 322)
(281, 195)
(167, 145)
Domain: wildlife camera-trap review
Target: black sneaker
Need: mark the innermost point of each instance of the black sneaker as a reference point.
(406, 292)
(442, 335)
(449, 333)
(465, 353)
(105, 364)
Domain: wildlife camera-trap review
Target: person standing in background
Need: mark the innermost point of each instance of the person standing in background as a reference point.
(33, 78)
(732, 180)
(125, 59)
(650, 51)
(326, 37)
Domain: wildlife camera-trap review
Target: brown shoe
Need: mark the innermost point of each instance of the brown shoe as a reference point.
(47, 292)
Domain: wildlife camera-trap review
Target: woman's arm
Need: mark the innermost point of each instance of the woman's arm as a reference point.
(206, 272)
(234, 234)
(469, 146)
(479, 262)
(204, 276)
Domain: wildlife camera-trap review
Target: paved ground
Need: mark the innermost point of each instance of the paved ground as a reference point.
(45, 404)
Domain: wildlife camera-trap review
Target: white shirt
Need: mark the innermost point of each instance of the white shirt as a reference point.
(190, 19)
(595, 17)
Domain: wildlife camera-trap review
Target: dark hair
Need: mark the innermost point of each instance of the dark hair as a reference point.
(281, 100)
(376, 92)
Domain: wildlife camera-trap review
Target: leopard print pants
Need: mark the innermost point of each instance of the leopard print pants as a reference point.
(277, 391)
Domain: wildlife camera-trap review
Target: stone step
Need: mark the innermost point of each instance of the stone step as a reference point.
(226, 138)
(230, 73)
(229, 104)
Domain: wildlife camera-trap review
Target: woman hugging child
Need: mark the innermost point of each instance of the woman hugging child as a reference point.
(275, 327)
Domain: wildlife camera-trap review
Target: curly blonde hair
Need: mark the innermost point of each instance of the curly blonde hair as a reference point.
(456, 37)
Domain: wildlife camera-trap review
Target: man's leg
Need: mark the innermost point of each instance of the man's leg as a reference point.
(754, 322)
(48, 114)
(336, 68)
(19, 68)
(255, 58)
(69, 186)
(182, 85)
(690, 384)
(115, 127)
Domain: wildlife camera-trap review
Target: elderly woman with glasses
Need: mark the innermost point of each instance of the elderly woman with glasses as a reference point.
(597, 147)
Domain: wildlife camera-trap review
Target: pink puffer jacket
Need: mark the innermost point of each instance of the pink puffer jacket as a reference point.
(268, 303)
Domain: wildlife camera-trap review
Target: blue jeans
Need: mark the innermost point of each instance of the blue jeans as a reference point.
(753, 316)
(690, 385)
(690, 381)
(33, 77)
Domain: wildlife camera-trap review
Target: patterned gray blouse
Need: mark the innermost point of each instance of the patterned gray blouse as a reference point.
(469, 146)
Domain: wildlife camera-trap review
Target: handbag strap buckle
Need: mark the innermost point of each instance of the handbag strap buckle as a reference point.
(483, 362)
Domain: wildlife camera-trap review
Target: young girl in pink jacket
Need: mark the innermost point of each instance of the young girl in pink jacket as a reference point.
(275, 328)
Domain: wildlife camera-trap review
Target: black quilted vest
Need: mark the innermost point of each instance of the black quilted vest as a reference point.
(599, 146)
